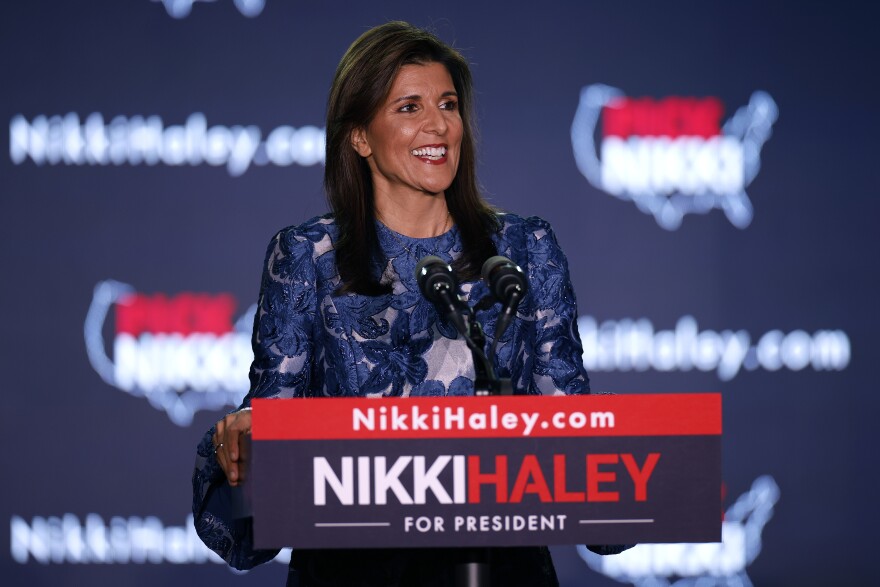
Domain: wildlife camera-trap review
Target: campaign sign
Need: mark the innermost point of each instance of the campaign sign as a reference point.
(486, 471)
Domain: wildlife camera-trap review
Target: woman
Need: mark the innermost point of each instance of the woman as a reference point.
(340, 313)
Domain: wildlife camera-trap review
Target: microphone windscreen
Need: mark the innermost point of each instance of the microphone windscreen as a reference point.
(432, 273)
(426, 261)
(491, 264)
(504, 278)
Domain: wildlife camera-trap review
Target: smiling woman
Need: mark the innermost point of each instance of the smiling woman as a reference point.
(399, 89)
(412, 145)
(341, 313)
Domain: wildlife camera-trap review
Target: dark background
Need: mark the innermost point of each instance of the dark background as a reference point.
(74, 444)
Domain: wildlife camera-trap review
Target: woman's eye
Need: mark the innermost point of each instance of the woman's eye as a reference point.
(450, 105)
(411, 107)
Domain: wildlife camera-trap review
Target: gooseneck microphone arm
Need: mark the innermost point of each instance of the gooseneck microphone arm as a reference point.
(438, 284)
(507, 313)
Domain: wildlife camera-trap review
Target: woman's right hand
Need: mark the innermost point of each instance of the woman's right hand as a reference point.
(231, 444)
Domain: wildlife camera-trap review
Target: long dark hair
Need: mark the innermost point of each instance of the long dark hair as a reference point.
(361, 84)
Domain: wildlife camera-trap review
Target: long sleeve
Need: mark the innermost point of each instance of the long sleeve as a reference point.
(558, 354)
(558, 350)
(283, 347)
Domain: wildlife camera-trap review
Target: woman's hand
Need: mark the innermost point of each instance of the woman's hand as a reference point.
(232, 444)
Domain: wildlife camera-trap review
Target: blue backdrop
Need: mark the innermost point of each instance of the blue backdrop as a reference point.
(709, 169)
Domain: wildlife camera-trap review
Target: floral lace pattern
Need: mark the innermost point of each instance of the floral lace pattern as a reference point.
(309, 343)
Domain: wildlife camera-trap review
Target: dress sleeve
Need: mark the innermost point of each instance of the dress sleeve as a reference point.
(283, 345)
(558, 361)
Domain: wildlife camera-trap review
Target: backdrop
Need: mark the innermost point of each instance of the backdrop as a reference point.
(709, 169)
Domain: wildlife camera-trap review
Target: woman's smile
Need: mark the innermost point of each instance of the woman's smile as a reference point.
(432, 154)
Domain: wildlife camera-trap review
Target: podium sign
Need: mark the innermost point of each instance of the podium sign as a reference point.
(486, 471)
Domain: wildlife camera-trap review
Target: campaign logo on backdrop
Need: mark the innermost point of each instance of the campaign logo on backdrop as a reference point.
(183, 352)
(93, 539)
(147, 140)
(672, 156)
(720, 564)
(634, 344)
(182, 8)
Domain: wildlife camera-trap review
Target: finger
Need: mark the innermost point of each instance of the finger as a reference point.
(218, 433)
(220, 446)
(230, 432)
(230, 442)
(229, 468)
(233, 475)
(233, 436)
(220, 454)
(239, 425)
(244, 447)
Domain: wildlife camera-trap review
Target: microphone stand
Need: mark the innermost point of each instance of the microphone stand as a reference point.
(485, 382)
(474, 568)
(437, 283)
(462, 316)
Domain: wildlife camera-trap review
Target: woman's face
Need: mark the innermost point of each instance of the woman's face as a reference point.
(413, 143)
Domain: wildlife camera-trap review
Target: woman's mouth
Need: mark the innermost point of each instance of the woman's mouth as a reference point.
(431, 154)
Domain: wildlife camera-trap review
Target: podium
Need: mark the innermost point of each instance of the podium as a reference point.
(486, 471)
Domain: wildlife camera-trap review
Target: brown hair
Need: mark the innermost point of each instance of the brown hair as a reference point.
(361, 84)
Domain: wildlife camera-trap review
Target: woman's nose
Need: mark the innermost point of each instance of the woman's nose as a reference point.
(435, 122)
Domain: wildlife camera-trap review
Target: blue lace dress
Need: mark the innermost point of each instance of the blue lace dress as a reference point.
(308, 342)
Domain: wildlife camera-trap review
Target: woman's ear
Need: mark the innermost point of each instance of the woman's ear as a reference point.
(359, 142)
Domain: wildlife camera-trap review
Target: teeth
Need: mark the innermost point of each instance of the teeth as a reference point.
(432, 152)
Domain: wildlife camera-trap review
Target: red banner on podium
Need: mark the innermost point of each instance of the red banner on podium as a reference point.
(484, 471)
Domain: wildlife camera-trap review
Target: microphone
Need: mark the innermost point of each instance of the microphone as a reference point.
(438, 284)
(506, 281)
